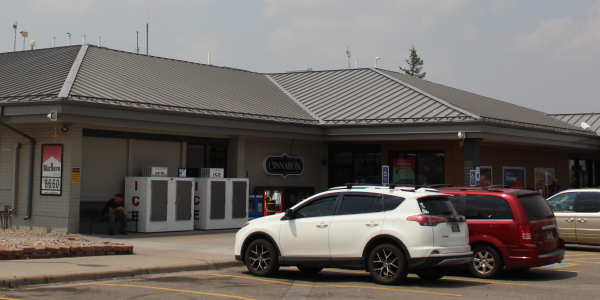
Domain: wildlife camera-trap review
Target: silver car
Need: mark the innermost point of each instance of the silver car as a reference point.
(578, 215)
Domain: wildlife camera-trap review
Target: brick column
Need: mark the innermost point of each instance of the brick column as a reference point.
(472, 157)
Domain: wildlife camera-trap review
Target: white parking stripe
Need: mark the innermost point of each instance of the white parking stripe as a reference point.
(298, 291)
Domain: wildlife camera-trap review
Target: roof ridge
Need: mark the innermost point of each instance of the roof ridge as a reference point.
(460, 109)
(574, 114)
(315, 71)
(287, 93)
(173, 59)
(70, 79)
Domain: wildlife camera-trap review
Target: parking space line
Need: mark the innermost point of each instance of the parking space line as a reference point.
(3, 298)
(569, 264)
(175, 290)
(334, 285)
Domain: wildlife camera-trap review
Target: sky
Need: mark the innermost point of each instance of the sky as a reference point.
(539, 54)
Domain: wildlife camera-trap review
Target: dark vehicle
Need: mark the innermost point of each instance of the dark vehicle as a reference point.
(508, 228)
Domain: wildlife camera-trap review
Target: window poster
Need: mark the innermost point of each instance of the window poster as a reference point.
(404, 170)
(540, 179)
(485, 178)
(51, 183)
(514, 177)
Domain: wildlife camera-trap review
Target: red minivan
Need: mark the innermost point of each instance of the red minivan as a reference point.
(508, 228)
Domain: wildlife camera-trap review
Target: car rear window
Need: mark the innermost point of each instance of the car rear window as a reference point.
(436, 206)
(536, 207)
(487, 207)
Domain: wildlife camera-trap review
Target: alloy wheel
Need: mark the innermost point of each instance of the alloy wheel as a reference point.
(260, 258)
(386, 265)
(483, 261)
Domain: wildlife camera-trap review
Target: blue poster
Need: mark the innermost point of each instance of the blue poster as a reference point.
(514, 178)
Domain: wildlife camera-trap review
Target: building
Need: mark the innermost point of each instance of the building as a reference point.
(113, 112)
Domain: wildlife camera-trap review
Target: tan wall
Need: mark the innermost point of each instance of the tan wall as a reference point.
(104, 168)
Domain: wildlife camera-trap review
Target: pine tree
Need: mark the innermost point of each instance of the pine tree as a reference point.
(415, 65)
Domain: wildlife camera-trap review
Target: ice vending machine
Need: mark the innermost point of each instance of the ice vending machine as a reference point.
(220, 203)
(161, 203)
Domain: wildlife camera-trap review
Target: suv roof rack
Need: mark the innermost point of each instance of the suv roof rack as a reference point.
(435, 186)
(372, 186)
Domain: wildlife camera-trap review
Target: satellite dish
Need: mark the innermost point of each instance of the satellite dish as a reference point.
(584, 125)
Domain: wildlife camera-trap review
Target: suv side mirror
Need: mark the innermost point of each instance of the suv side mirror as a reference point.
(289, 213)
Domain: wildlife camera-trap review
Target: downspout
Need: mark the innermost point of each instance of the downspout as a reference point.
(31, 152)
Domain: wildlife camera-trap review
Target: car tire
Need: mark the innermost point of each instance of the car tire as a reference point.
(487, 262)
(387, 264)
(309, 269)
(261, 258)
(432, 274)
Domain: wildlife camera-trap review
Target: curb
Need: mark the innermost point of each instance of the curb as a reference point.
(8, 282)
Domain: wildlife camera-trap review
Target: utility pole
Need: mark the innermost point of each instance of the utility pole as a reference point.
(15, 27)
(147, 22)
(137, 42)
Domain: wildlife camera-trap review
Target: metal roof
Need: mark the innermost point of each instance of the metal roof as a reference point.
(592, 119)
(363, 95)
(117, 77)
(485, 107)
(38, 73)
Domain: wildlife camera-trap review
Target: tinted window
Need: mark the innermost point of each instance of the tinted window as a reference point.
(391, 202)
(316, 208)
(487, 207)
(357, 204)
(436, 206)
(536, 207)
(588, 202)
(455, 200)
(563, 202)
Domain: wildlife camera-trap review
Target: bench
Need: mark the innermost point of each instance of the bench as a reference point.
(92, 212)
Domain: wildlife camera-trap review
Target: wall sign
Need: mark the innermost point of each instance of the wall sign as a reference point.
(514, 177)
(76, 175)
(283, 165)
(51, 183)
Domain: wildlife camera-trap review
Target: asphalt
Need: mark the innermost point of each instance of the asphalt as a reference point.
(154, 253)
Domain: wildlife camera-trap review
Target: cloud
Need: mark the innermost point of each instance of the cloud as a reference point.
(469, 33)
(443, 68)
(60, 6)
(198, 52)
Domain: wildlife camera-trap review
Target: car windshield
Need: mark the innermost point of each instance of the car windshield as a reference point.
(436, 206)
(536, 207)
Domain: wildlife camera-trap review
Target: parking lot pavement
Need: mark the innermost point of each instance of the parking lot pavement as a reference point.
(579, 275)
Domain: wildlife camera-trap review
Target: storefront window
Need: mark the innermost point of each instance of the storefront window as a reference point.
(417, 168)
(204, 156)
(354, 164)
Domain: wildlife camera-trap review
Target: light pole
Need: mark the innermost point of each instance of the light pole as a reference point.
(15, 27)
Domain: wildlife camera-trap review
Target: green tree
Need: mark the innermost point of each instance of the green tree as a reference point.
(415, 65)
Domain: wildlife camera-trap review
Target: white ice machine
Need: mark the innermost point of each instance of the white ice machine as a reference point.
(161, 203)
(220, 203)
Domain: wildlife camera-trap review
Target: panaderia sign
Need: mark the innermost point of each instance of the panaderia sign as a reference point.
(283, 165)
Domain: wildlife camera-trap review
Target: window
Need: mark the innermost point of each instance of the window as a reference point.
(436, 206)
(317, 208)
(487, 207)
(455, 200)
(536, 207)
(563, 202)
(417, 168)
(358, 204)
(204, 156)
(588, 202)
(391, 202)
(354, 164)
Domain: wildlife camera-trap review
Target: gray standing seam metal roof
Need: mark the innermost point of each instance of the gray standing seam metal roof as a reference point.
(363, 95)
(35, 73)
(481, 105)
(141, 79)
(592, 119)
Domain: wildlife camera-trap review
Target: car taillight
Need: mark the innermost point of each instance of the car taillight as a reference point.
(525, 233)
(427, 220)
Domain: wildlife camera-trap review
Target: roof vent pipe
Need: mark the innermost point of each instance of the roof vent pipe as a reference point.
(84, 39)
(208, 59)
(69, 42)
(31, 152)
(53, 41)
(99, 38)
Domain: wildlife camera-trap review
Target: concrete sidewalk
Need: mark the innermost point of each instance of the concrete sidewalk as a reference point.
(154, 253)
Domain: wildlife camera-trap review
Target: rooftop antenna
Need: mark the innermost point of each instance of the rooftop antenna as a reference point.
(137, 42)
(348, 53)
(84, 39)
(147, 22)
(32, 44)
(208, 63)
(99, 39)
(69, 42)
(24, 34)
(53, 41)
(15, 27)
(356, 63)
(376, 59)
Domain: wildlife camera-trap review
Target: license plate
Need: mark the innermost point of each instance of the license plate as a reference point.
(549, 235)
(455, 228)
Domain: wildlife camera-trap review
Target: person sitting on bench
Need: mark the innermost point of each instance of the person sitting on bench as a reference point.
(115, 210)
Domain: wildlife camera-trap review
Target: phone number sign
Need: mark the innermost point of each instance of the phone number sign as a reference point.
(51, 183)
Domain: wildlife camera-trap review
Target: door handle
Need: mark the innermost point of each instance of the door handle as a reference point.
(582, 220)
(322, 225)
(569, 219)
(372, 224)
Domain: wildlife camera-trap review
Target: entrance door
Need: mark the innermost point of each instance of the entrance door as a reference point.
(217, 200)
(160, 200)
(184, 200)
(239, 199)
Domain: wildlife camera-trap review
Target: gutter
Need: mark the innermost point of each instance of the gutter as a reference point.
(31, 152)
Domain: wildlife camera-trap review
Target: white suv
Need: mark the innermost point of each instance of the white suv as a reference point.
(386, 231)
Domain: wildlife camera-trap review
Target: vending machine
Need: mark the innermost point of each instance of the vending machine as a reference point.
(220, 203)
(161, 203)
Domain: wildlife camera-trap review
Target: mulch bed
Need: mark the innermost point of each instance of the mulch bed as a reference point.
(68, 246)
